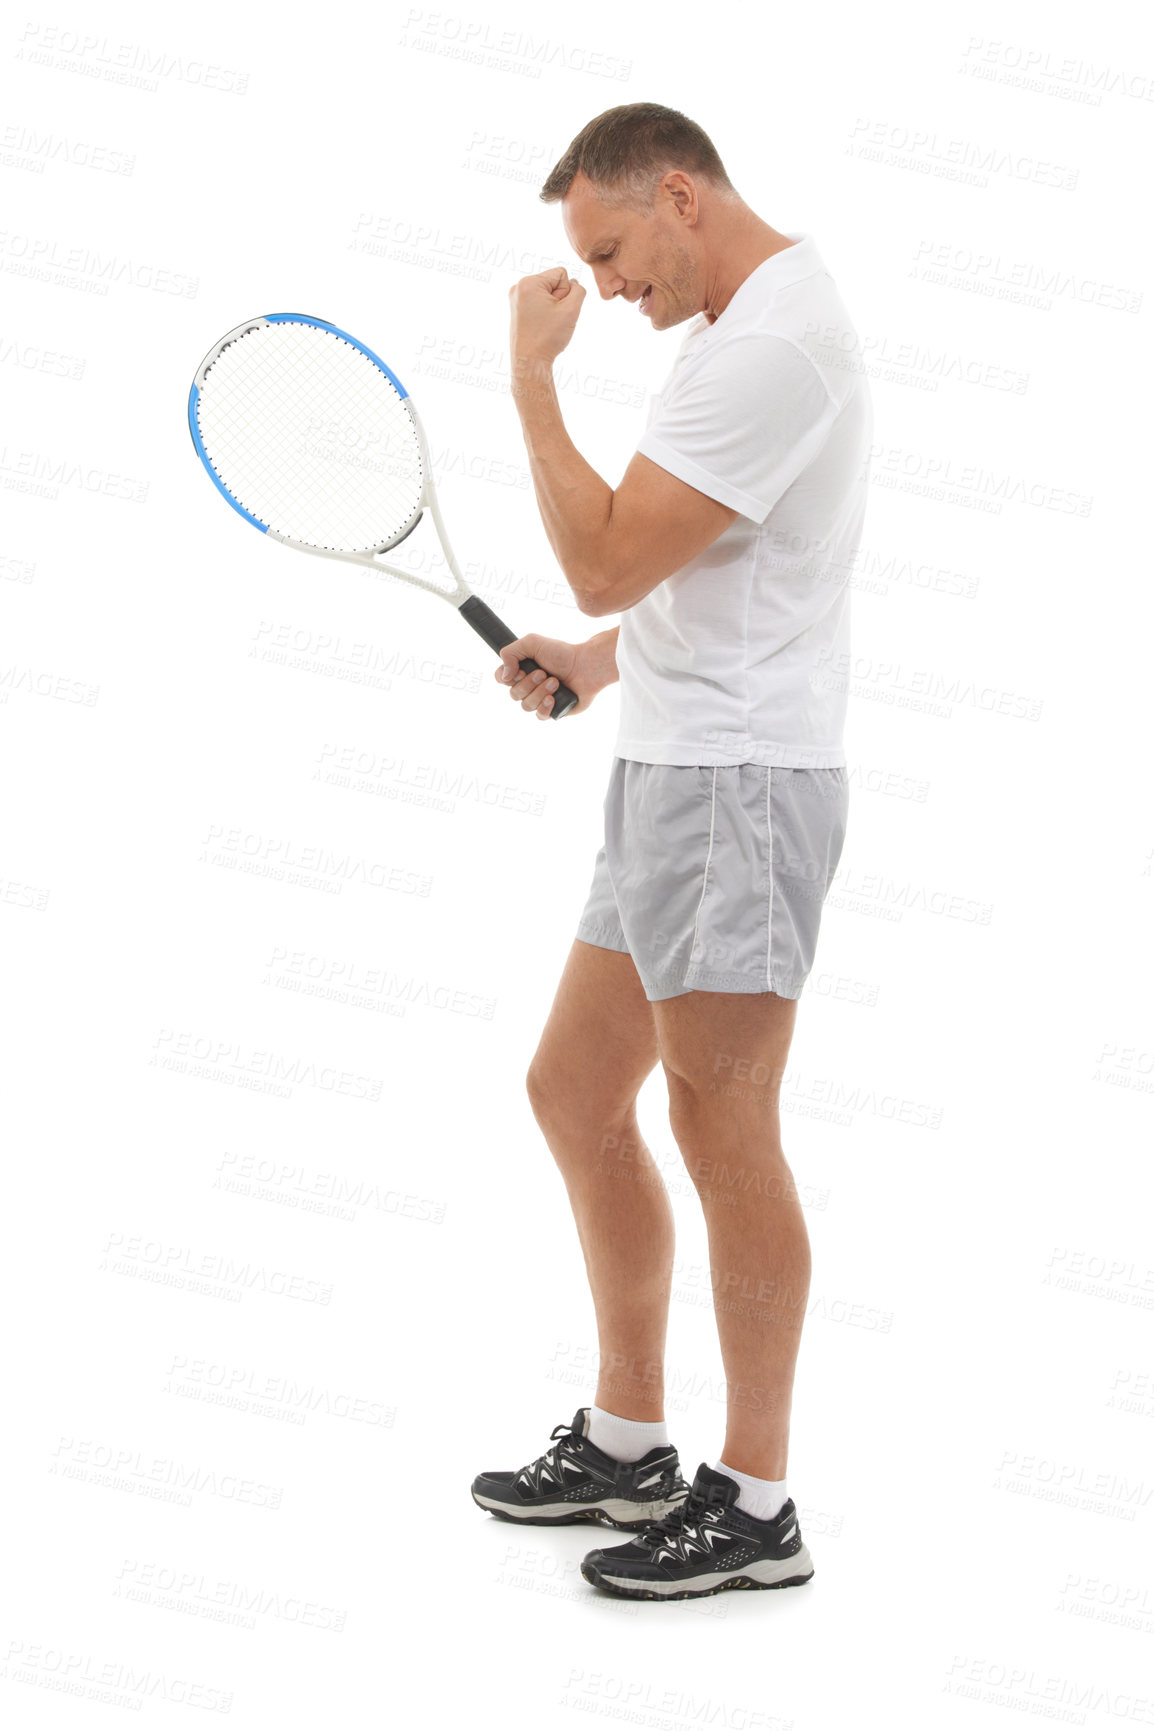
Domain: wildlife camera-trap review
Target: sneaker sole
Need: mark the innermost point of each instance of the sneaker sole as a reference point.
(618, 1511)
(792, 1571)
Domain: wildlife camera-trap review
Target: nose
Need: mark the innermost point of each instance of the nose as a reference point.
(609, 283)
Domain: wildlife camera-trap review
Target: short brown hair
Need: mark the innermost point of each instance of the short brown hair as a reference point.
(626, 151)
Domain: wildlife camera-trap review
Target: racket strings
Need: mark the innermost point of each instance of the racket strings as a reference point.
(311, 437)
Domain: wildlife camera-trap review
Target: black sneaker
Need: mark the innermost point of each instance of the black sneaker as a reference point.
(704, 1546)
(576, 1481)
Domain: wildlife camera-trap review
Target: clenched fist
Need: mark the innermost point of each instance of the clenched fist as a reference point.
(585, 668)
(544, 311)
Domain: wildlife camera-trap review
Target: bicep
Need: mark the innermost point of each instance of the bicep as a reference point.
(657, 524)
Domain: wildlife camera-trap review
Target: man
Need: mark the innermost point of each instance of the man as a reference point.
(727, 550)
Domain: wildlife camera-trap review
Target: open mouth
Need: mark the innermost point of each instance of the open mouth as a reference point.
(646, 298)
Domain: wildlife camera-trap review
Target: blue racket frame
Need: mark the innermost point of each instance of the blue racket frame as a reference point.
(473, 610)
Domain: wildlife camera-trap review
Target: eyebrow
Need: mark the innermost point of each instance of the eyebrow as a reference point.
(597, 252)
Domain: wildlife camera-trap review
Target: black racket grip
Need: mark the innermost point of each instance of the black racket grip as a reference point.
(497, 634)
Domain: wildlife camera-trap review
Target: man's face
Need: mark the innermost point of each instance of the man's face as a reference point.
(643, 258)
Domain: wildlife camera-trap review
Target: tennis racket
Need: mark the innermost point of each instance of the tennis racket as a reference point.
(316, 443)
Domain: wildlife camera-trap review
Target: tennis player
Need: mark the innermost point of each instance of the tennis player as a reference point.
(727, 550)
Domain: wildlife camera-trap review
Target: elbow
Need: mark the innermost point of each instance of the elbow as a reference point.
(596, 585)
(593, 595)
(597, 593)
(591, 602)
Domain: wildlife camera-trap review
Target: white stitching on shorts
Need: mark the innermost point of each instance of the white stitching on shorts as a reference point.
(708, 857)
(769, 915)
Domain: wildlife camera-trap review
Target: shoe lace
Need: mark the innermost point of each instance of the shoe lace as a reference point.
(694, 1508)
(551, 1456)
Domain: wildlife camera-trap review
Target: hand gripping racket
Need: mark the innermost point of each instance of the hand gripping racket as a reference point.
(316, 442)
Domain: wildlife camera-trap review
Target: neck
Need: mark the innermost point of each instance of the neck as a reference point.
(742, 242)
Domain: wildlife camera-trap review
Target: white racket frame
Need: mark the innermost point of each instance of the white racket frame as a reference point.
(428, 499)
(479, 615)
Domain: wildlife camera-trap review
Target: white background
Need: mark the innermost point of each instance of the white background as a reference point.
(288, 1265)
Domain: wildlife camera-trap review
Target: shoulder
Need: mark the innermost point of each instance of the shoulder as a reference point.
(753, 361)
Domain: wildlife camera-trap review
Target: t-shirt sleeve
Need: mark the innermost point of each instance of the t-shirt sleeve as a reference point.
(742, 426)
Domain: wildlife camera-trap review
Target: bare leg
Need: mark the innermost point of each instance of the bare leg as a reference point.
(598, 1046)
(724, 1054)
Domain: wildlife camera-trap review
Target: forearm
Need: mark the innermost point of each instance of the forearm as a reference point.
(575, 503)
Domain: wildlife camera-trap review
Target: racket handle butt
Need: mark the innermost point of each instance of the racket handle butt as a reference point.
(497, 634)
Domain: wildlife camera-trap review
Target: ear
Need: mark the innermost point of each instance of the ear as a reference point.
(683, 192)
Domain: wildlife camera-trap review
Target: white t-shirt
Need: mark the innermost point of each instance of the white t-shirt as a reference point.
(766, 410)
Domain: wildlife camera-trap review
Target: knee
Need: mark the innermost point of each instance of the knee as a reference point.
(564, 1101)
(555, 1095)
(708, 1111)
(688, 1098)
(740, 1081)
(541, 1088)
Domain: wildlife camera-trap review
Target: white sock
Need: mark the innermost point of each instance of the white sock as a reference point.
(761, 1498)
(623, 1439)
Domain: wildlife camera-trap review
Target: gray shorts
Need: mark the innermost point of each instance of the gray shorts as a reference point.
(713, 878)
